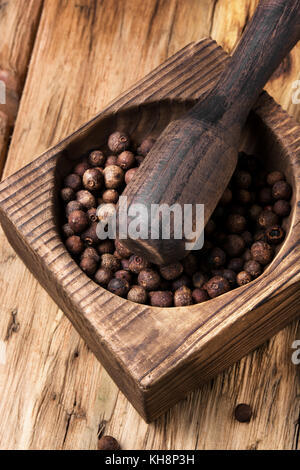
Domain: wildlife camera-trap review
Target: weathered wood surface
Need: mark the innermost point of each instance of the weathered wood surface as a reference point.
(54, 394)
(18, 25)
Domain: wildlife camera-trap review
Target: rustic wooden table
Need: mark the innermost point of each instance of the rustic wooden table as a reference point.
(62, 61)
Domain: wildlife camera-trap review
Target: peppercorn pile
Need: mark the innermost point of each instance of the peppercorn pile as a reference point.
(240, 237)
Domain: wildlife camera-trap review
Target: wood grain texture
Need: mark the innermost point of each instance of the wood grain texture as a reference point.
(18, 25)
(56, 394)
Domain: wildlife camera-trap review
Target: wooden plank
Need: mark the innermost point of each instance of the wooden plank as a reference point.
(18, 25)
(54, 392)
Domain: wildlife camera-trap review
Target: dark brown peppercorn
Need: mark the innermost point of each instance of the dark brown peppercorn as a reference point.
(236, 223)
(235, 264)
(216, 286)
(106, 246)
(226, 197)
(122, 274)
(103, 276)
(92, 214)
(265, 196)
(81, 168)
(281, 190)
(282, 208)
(161, 299)
(243, 413)
(122, 249)
(90, 236)
(139, 159)
(230, 275)
(199, 279)
(88, 265)
(67, 194)
(183, 297)
(92, 179)
(255, 211)
(118, 286)
(190, 264)
(275, 235)
(111, 160)
(110, 196)
(91, 252)
(266, 219)
(253, 268)
(234, 245)
(74, 245)
(171, 271)
(108, 261)
(262, 252)
(247, 237)
(137, 294)
(247, 255)
(125, 264)
(130, 174)
(146, 146)
(217, 258)
(78, 221)
(96, 158)
(260, 235)
(244, 196)
(199, 295)
(274, 176)
(86, 199)
(243, 278)
(183, 280)
(108, 443)
(113, 176)
(118, 142)
(137, 264)
(67, 231)
(73, 181)
(73, 206)
(149, 279)
(242, 179)
(126, 160)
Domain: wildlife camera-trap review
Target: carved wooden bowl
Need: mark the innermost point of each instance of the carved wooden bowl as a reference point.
(155, 355)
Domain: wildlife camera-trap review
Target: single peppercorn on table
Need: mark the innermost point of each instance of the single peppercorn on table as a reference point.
(66, 398)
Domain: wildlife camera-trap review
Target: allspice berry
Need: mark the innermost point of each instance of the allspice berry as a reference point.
(122, 274)
(108, 261)
(73, 181)
(267, 218)
(111, 160)
(122, 249)
(108, 443)
(235, 264)
(73, 206)
(146, 146)
(282, 208)
(275, 235)
(103, 276)
(216, 286)
(190, 264)
(242, 179)
(86, 199)
(118, 142)
(171, 271)
(253, 268)
(216, 258)
(255, 211)
(137, 294)
(262, 252)
(106, 246)
(183, 297)
(137, 264)
(226, 197)
(118, 286)
(92, 214)
(126, 160)
(162, 299)
(275, 176)
(243, 278)
(78, 221)
(234, 245)
(88, 265)
(74, 245)
(230, 275)
(67, 194)
(91, 252)
(244, 196)
(92, 179)
(265, 196)
(281, 190)
(110, 196)
(183, 280)
(199, 279)
(96, 158)
(149, 279)
(130, 174)
(113, 176)
(90, 236)
(243, 413)
(67, 231)
(81, 168)
(199, 295)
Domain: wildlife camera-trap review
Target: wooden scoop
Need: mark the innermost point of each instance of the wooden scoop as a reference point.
(194, 158)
